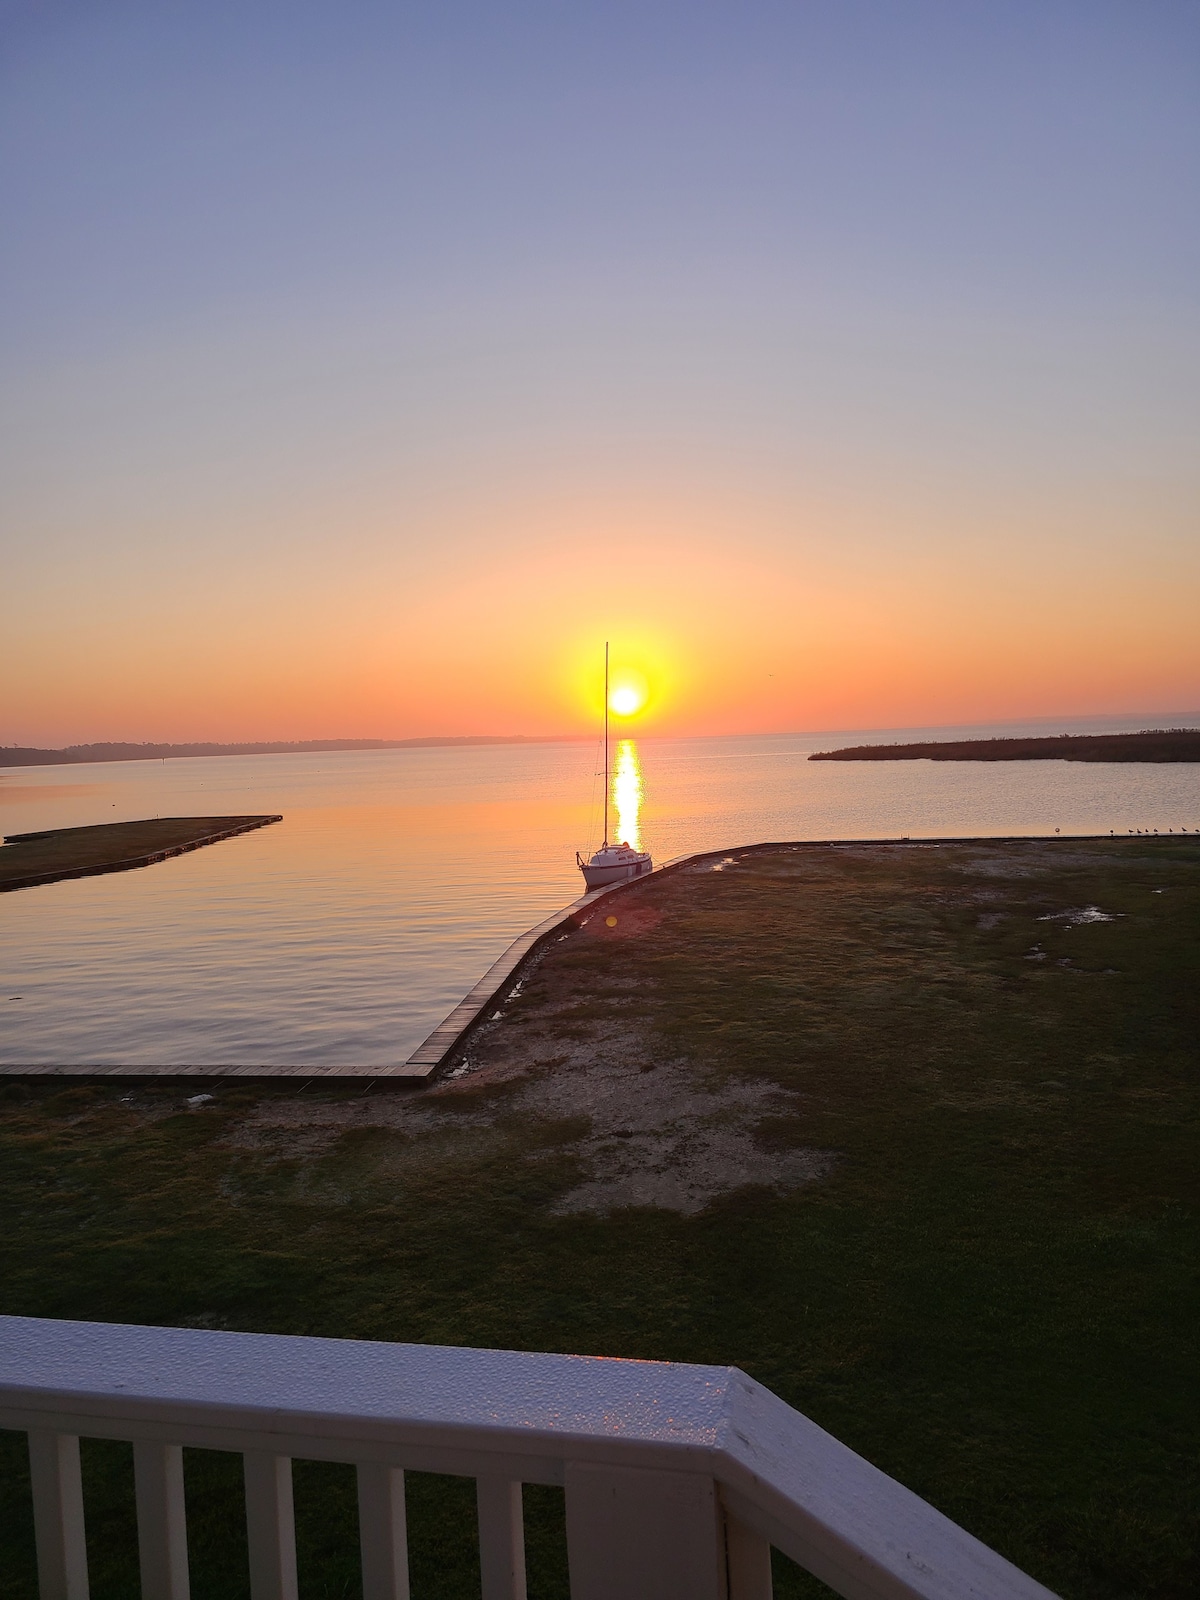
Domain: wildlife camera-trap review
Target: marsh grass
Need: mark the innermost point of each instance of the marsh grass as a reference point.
(993, 1296)
(110, 846)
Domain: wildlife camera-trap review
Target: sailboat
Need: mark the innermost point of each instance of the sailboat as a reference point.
(612, 863)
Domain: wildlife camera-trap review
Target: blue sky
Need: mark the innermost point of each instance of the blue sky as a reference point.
(380, 289)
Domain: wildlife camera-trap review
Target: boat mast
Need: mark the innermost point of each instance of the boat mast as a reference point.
(604, 846)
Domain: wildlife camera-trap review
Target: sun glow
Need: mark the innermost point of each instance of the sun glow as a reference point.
(626, 700)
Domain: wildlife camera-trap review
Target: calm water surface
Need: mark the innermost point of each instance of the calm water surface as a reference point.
(345, 933)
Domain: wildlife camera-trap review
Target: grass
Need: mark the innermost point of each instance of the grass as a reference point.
(994, 1296)
(110, 846)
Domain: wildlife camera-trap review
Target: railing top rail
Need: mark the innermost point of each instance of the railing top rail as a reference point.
(119, 1369)
(862, 1532)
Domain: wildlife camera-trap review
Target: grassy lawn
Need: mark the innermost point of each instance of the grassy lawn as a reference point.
(926, 1156)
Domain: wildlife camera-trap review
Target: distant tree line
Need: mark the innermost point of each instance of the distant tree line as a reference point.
(1151, 744)
(16, 755)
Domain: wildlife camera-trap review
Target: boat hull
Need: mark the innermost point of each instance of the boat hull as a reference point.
(618, 872)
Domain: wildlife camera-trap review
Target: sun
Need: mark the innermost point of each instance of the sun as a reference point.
(626, 700)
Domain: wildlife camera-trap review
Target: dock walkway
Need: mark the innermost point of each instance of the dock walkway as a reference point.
(447, 1038)
(452, 1035)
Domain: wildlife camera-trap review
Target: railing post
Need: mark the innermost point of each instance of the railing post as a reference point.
(58, 1515)
(161, 1520)
(270, 1526)
(748, 1558)
(635, 1534)
(501, 1538)
(382, 1532)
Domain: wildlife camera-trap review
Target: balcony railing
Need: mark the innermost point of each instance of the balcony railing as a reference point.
(678, 1479)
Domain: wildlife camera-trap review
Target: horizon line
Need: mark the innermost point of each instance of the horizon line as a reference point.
(101, 750)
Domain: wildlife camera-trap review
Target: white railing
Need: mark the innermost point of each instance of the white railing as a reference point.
(678, 1479)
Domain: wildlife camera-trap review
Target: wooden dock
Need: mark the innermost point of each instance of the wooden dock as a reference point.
(445, 1040)
(451, 1036)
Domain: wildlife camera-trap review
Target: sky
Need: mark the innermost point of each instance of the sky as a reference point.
(363, 367)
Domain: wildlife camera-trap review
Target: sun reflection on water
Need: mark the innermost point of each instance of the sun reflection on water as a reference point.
(627, 793)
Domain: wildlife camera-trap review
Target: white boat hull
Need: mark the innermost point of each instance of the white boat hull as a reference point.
(600, 877)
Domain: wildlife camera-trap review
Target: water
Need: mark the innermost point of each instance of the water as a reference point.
(345, 933)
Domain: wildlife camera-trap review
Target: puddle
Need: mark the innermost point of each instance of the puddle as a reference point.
(1081, 914)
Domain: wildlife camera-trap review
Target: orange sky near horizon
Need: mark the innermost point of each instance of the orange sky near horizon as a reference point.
(737, 619)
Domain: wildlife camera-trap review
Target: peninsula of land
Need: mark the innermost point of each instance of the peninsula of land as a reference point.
(1152, 744)
(30, 859)
(17, 755)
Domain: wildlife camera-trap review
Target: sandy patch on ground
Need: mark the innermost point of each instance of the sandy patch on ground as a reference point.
(659, 1138)
(656, 1134)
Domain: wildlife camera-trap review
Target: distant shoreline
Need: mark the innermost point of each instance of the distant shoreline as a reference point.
(1155, 745)
(29, 756)
(1150, 745)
